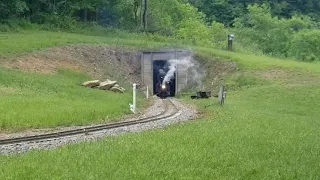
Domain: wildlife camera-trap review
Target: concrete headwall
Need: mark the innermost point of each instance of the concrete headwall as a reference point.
(147, 59)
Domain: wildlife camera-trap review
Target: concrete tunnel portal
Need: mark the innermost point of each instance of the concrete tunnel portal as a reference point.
(153, 61)
(160, 69)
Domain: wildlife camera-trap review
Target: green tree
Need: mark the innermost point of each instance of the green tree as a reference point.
(226, 11)
(12, 8)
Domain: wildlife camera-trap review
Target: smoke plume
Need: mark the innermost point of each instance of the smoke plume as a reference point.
(170, 73)
(190, 67)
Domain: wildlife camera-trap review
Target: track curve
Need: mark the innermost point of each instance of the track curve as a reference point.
(48, 136)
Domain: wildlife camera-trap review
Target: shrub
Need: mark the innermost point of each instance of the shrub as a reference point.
(305, 45)
(4, 28)
(15, 25)
(193, 31)
(218, 35)
(55, 21)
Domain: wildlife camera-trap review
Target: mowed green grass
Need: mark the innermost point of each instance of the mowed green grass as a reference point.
(249, 62)
(37, 101)
(266, 132)
(30, 100)
(26, 41)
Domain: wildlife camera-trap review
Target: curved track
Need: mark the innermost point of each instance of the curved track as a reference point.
(42, 137)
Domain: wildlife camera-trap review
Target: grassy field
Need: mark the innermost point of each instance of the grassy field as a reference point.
(266, 132)
(268, 129)
(26, 41)
(30, 100)
(250, 62)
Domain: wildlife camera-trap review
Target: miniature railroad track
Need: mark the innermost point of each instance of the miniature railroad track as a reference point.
(86, 130)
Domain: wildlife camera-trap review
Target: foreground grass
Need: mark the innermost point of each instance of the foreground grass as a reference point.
(266, 132)
(30, 100)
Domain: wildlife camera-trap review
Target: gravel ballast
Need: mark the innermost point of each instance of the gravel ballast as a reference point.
(185, 113)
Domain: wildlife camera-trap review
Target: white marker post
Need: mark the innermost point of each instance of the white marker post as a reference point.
(147, 92)
(133, 106)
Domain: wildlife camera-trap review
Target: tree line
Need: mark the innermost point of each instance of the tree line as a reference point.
(226, 11)
(280, 28)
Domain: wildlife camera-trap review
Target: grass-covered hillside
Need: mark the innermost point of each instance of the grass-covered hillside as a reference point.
(41, 87)
(30, 100)
(268, 129)
(12, 43)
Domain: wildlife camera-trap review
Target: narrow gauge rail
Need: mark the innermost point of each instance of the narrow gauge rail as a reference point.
(48, 136)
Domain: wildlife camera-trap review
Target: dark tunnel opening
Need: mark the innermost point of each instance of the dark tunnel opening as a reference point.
(160, 69)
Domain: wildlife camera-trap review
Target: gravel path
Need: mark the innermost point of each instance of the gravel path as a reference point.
(185, 113)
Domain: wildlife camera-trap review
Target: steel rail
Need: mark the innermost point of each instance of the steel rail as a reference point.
(92, 128)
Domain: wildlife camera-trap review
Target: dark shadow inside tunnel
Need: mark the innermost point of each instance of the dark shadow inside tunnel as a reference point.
(160, 69)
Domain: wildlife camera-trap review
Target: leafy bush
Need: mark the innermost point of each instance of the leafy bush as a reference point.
(193, 32)
(15, 25)
(56, 21)
(305, 45)
(167, 16)
(264, 30)
(260, 31)
(4, 28)
(218, 34)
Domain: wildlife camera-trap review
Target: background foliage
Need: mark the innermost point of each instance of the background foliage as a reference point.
(286, 29)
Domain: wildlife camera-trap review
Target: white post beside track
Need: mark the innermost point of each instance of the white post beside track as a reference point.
(133, 105)
(134, 96)
(147, 92)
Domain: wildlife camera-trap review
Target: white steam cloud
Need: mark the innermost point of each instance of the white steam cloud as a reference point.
(190, 67)
(170, 73)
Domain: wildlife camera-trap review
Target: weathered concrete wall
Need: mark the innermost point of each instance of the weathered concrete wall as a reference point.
(147, 59)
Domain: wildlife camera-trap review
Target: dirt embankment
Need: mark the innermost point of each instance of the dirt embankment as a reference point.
(98, 61)
(116, 63)
(216, 71)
